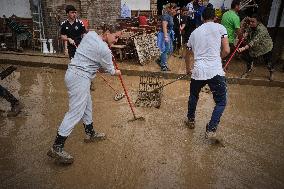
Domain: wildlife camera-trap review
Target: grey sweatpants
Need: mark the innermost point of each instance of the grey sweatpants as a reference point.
(80, 102)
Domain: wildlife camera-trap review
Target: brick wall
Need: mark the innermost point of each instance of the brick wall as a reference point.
(96, 11)
(153, 5)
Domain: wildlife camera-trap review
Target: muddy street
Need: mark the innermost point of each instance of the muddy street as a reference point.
(158, 153)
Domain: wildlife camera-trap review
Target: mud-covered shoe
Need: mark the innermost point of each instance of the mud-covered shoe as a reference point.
(60, 155)
(95, 136)
(210, 135)
(190, 123)
(15, 110)
(164, 69)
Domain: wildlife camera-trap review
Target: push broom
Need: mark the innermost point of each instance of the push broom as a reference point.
(127, 96)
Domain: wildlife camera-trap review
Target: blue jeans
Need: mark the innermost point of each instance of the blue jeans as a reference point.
(218, 87)
(164, 55)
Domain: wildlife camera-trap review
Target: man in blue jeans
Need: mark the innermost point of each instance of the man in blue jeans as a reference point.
(207, 44)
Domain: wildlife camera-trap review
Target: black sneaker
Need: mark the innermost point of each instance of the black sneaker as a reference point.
(168, 69)
(190, 123)
(164, 69)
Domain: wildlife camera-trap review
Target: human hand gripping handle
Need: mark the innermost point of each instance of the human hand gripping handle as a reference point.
(117, 72)
(71, 41)
(243, 48)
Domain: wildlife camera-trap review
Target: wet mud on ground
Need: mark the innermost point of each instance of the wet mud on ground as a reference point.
(158, 153)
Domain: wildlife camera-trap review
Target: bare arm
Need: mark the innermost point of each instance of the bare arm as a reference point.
(225, 48)
(65, 38)
(239, 33)
(182, 26)
(165, 30)
(189, 61)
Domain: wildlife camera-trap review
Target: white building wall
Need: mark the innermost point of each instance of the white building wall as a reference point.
(218, 3)
(20, 8)
(137, 4)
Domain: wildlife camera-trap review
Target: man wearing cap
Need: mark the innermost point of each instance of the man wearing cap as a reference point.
(72, 30)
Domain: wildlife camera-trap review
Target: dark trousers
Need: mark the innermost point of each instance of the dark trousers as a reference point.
(189, 28)
(218, 87)
(4, 93)
(266, 57)
(71, 51)
(177, 41)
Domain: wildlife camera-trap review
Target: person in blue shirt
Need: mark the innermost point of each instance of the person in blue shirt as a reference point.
(198, 12)
(166, 35)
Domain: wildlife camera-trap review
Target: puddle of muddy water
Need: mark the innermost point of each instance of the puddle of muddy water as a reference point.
(157, 153)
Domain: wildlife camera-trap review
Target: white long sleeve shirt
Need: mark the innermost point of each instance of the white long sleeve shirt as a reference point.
(93, 53)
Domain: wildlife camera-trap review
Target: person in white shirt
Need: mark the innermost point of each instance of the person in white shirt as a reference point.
(92, 54)
(190, 9)
(207, 44)
(125, 11)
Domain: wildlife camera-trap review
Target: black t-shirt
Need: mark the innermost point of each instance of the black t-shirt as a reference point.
(74, 31)
(178, 23)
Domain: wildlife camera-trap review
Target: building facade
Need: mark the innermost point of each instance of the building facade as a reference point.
(95, 11)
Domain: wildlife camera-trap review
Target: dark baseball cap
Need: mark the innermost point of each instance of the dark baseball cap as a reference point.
(70, 8)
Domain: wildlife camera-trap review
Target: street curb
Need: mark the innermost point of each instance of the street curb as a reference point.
(239, 81)
(52, 55)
